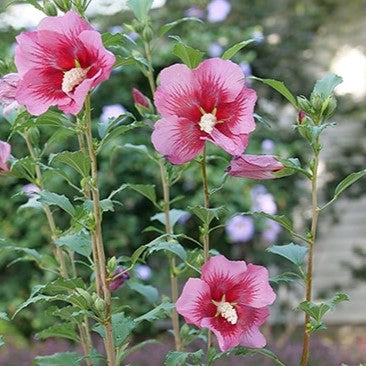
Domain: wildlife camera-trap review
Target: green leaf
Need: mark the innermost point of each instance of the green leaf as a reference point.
(175, 358)
(140, 8)
(27, 253)
(167, 27)
(74, 159)
(112, 40)
(174, 216)
(50, 199)
(262, 120)
(147, 190)
(65, 330)
(122, 327)
(174, 247)
(206, 215)
(190, 56)
(79, 242)
(137, 254)
(58, 359)
(24, 168)
(292, 165)
(31, 300)
(159, 312)
(325, 86)
(232, 51)
(284, 221)
(280, 87)
(150, 292)
(241, 351)
(141, 149)
(292, 252)
(284, 277)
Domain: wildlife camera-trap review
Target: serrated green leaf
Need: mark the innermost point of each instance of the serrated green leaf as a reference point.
(58, 359)
(31, 300)
(50, 199)
(175, 358)
(65, 330)
(147, 190)
(293, 252)
(284, 277)
(159, 312)
(74, 159)
(150, 292)
(142, 149)
(62, 286)
(174, 216)
(206, 215)
(171, 246)
(140, 8)
(24, 168)
(284, 221)
(112, 40)
(190, 56)
(79, 242)
(137, 254)
(325, 86)
(280, 87)
(167, 27)
(117, 131)
(29, 254)
(232, 51)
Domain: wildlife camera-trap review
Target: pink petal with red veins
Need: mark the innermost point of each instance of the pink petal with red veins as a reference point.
(40, 89)
(253, 288)
(4, 155)
(177, 138)
(254, 166)
(178, 93)
(249, 320)
(222, 274)
(221, 80)
(99, 57)
(70, 24)
(228, 335)
(195, 302)
(238, 115)
(231, 143)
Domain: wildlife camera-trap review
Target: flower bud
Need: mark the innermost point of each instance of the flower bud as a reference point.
(120, 276)
(140, 99)
(63, 5)
(147, 33)
(99, 305)
(300, 117)
(85, 295)
(49, 8)
(112, 264)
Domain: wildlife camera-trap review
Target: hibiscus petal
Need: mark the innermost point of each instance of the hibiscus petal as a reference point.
(231, 143)
(178, 93)
(40, 89)
(253, 288)
(237, 116)
(254, 166)
(177, 138)
(70, 24)
(195, 302)
(249, 321)
(4, 155)
(221, 274)
(228, 335)
(221, 81)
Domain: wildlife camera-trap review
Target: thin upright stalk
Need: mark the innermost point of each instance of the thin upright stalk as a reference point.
(172, 262)
(309, 273)
(97, 235)
(150, 73)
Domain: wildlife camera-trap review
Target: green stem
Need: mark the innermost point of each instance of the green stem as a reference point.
(309, 272)
(98, 238)
(150, 72)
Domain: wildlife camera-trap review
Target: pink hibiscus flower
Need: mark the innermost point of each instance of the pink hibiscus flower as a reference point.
(230, 299)
(254, 166)
(208, 103)
(4, 156)
(59, 63)
(8, 89)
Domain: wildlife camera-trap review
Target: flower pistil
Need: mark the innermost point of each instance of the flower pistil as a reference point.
(73, 78)
(226, 310)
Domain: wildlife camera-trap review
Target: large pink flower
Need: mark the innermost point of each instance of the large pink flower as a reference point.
(8, 89)
(4, 156)
(208, 103)
(230, 299)
(59, 63)
(254, 166)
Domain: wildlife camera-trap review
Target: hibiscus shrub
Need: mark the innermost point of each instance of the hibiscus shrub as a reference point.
(200, 124)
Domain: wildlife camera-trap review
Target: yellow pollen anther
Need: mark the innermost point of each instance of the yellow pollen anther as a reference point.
(207, 122)
(73, 78)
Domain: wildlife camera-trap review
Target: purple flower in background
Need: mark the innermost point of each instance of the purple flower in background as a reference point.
(257, 36)
(218, 10)
(31, 190)
(196, 12)
(143, 272)
(262, 200)
(115, 29)
(240, 228)
(214, 50)
(247, 70)
(111, 111)
(120, 276)
(184, 218)
(8, 89)
(270, 234)
(268, 146)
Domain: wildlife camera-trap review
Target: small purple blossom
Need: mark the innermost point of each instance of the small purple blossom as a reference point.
(268, 146)
(31, 190)
(247, 70)
(257, 36)
(8, 89)
(111, 111)
(184, 218)
(143, 272)
(262, 200)
(115, 29)
(270, 234)
(218, 10)
(214, 50)
(120, 276)
(196, 12)
(240, 228)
